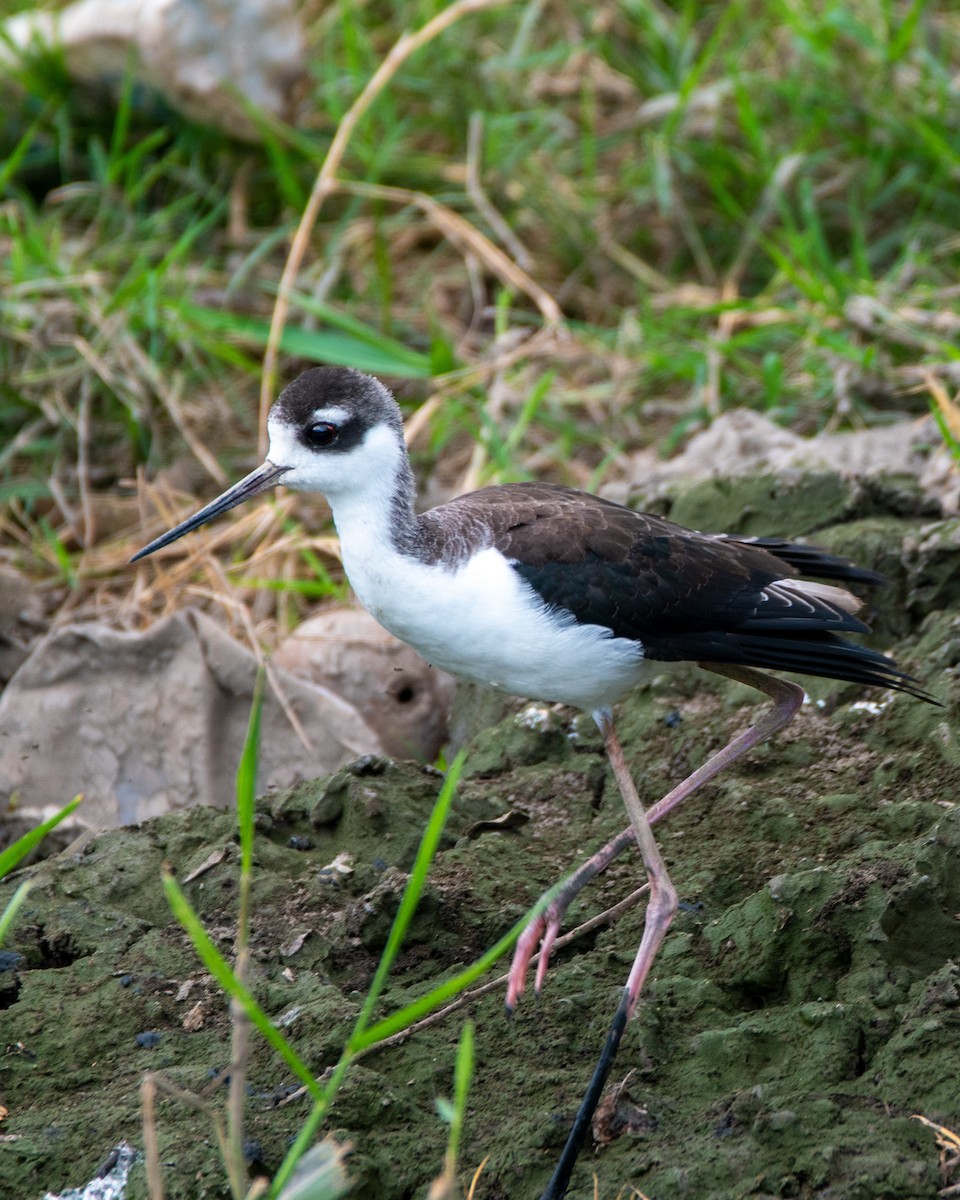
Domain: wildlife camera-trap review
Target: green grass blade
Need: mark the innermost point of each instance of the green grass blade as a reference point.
(246, 789)
(223, 973)
(304, 1138)
(23, 489)
(58, 551)
(15, 159)
(247, 775)
(338, 349)
(435, 999)
(9, 913)
(949, 438)
(455, 1113)
(349, 324)
(23, 845)
(411, 895)
(319, 1175)
(463, 1071)
(462, 1076)
(121, 123)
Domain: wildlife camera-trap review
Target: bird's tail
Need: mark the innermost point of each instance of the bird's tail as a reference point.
(824, 654)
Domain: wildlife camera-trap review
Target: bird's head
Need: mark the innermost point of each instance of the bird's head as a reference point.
(333, 430)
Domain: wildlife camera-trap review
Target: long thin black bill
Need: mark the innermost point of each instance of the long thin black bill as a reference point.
(264, 477)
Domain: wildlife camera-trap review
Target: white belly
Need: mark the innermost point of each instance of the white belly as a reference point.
(484, 623)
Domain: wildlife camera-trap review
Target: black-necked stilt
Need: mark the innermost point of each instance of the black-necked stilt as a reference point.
(557, 595)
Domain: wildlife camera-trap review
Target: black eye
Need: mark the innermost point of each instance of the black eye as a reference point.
(320, 434)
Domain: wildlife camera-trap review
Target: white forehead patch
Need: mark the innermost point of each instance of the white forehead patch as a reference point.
(333, 414)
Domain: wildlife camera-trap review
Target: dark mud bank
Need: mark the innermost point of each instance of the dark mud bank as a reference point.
(806, 1004)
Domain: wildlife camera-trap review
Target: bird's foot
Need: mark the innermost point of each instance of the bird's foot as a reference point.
(542, 931)
(544, 928)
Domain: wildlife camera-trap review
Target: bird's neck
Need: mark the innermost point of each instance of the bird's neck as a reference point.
(375, 516)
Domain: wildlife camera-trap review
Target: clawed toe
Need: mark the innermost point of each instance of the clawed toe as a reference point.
(536, 941)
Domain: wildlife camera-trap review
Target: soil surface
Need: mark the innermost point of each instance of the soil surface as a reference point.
(805, 1005)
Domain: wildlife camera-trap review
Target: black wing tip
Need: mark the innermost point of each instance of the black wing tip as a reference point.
(911, 687)
(899, 682)
(811, 560)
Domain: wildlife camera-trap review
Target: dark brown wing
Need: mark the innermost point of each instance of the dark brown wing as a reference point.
(683, 595)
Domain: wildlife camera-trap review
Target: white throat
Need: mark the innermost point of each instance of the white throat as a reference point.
(372, 502)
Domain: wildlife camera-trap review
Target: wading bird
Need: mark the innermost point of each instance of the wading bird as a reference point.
(554, 594)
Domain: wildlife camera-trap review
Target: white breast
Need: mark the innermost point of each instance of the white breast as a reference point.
(484, 623)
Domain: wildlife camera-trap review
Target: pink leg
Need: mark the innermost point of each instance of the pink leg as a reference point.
(662, 905)
(544, 929)
(787, 698)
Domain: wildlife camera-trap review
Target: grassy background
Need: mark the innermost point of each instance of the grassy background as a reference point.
(732, 203)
